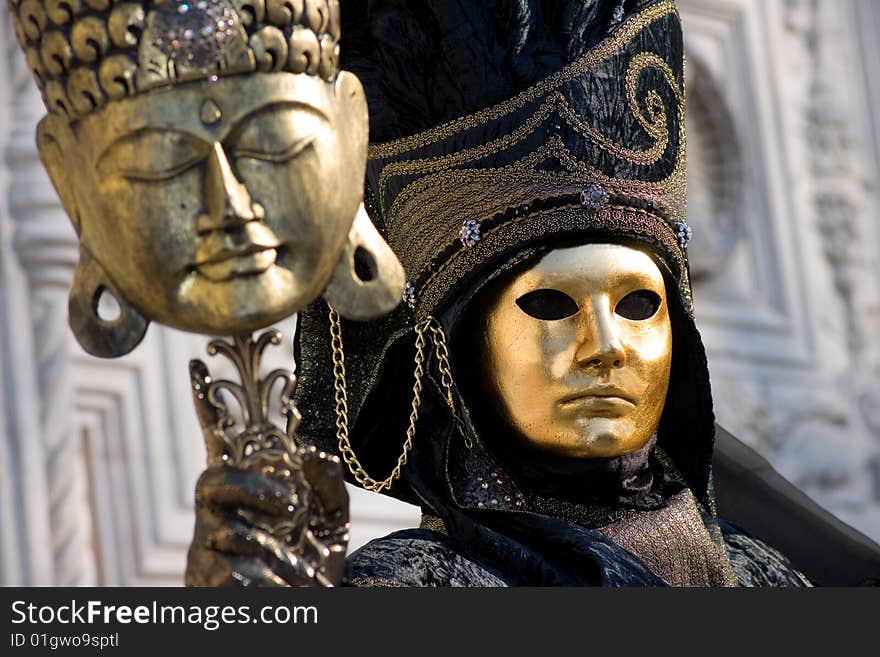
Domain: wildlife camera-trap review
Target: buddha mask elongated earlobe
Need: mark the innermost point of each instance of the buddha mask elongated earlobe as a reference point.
(368, 280)
(102, 337)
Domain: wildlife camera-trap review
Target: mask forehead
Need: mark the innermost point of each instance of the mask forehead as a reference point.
(590, 268)
(208, 111)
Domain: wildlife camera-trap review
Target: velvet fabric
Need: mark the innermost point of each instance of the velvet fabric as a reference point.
(425, 63)
(420, 557)
(623, 479)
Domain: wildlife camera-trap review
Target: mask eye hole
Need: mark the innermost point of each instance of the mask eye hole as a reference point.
(638, 305)
(547, 304)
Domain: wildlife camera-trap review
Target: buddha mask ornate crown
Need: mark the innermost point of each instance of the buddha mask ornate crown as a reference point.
(211, 158)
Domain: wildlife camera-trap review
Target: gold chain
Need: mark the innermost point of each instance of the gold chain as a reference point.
(345, 450)
(439, 339)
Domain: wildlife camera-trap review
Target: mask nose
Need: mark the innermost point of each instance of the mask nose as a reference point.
(599, 343)
(227, 201)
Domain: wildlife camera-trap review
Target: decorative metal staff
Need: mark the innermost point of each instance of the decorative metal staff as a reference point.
(211, 158)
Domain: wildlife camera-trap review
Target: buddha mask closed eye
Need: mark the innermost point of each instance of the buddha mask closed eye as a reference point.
(579, 351)
(212, 161)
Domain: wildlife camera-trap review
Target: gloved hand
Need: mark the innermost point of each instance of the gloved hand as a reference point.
(277, 524)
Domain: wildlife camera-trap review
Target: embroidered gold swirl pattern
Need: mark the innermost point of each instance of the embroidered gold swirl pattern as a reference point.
(425, 217)
(421, 203)
(655, 125)
(429, 164)
(479, 193)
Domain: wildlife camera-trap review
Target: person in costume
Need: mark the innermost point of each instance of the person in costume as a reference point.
(528, 167)
(543, 393)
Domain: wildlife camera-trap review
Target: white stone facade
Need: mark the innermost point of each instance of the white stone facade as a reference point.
(98, 459)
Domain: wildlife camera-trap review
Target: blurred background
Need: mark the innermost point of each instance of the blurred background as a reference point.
(98, 459)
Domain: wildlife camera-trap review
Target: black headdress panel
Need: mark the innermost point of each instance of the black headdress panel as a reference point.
(426, 63)
(569, 122)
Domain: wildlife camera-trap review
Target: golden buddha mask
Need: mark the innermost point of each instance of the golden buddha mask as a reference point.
(212, 161)
(579, 350)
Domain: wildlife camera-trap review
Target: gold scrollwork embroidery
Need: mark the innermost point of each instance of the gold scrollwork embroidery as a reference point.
(655, 125)
(429, 164)
(417, 204)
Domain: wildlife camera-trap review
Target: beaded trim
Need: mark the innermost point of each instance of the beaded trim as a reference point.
(549, 217)
(412, 222)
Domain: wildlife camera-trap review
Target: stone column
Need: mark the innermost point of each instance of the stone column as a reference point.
(25, 552)
(45, 245)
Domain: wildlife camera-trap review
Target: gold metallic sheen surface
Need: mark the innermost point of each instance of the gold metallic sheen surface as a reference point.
(594, 383)
(375, 290)
(217, 207)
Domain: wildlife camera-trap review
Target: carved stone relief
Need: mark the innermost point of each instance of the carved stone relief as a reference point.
(715, 180)
(22, 511)
(811, 407)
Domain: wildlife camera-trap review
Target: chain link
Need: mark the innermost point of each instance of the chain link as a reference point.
(341, 397)
(439, 339)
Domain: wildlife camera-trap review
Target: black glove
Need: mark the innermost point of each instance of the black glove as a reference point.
(282, 524)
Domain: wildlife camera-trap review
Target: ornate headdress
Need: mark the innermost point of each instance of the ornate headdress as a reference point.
(595, 146)
(84, 53)
(498, 133)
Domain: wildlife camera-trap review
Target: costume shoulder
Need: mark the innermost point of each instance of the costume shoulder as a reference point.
(756, 563)
(417, 557)
(751, 494)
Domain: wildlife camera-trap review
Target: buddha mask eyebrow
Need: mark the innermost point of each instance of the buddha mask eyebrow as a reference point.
(171, 151)
(222, 127)
(277, 132)
(178, 149)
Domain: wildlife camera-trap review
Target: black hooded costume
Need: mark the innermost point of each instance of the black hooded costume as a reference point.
(501, 130)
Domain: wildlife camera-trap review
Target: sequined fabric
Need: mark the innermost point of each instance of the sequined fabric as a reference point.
(639, 502)
(417, 558)
(674, 543)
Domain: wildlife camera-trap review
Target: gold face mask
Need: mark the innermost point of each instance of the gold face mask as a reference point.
(579, 351)
(218, 207)
(211, 157)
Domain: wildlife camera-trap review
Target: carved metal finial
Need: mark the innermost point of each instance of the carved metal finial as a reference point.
(241, 435)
